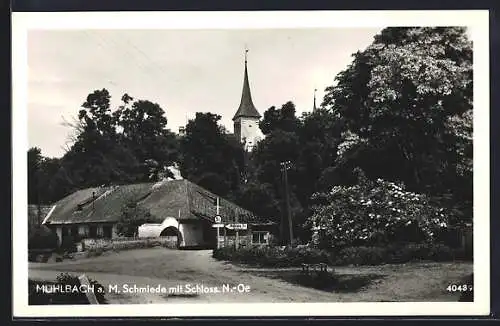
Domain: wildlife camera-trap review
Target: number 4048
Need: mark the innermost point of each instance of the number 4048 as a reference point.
(459, 288)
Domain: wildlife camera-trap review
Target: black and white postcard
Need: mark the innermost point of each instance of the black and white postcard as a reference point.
(315, 163)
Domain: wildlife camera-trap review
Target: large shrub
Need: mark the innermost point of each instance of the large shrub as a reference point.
(360, 255)
(43, 238)
(396, 254)
(132, 216)
(272, 256)
(69, 242)
(373, 213)
(37, 297)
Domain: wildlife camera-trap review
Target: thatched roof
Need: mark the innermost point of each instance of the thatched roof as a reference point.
(180, 199)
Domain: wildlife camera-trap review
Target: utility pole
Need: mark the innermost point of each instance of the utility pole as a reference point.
(218, 234)
(237, 243)
(285, 166)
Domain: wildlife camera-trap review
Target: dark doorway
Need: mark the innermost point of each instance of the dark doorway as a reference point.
(174, 233)
(107, 231)
(74, 231)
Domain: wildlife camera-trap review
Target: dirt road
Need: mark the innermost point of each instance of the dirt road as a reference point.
(199, 275)
(176, 268)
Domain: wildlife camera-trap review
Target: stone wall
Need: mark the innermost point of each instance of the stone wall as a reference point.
(128, 243)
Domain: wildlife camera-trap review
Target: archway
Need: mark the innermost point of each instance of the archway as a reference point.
(172, 231)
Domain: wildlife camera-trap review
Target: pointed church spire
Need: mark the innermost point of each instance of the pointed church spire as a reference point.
(314, 105)
(246, 108)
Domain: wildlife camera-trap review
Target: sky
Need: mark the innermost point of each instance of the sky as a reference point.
(184, 71)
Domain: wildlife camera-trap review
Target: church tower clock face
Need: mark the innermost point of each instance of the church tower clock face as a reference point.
(246, 118)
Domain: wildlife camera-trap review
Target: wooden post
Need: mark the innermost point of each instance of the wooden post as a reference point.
(237, 234)
(90, 294)
(218, 234)
(290, 227)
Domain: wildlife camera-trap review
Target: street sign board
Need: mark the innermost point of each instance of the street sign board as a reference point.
(236, 226)
(217, 225)
(218, 219)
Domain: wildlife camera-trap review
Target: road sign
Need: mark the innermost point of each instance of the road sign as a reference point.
(217, 225)
(218, 219)
(236, 226)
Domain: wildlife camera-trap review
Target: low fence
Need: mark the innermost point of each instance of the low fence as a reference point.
(244, 240)
(126, 243)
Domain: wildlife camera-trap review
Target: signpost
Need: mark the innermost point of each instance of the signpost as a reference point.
(236, 226)
(218, 220)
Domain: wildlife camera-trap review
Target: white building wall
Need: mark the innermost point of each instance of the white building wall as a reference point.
(192, 234)
(150, 230)
(250, 132)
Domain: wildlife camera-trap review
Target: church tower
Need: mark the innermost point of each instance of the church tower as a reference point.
(246, 119)
(314, 105)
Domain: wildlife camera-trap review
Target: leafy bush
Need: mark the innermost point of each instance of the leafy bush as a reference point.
(272, 256)
(373, 213)
(361, 255)
(132, 216)
(43, 238)
(396, 254)
(69, 242)
(440, 252)
(57, 297)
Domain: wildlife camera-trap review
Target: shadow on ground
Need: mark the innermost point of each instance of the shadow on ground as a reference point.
(180, 295)
(325, 281)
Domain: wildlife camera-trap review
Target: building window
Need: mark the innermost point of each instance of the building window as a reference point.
(260, 237)
(107, 231)
(84, 231)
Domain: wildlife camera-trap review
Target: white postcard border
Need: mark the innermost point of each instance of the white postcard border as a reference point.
(477, 20)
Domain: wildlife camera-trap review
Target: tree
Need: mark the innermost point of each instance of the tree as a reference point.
(144, 130)
(283, 119)
(132, 216)
(282, 143)
(96, 113)
(320, 136)
(209, 157)
(261, 199)
(34, 161)
(398, 97)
